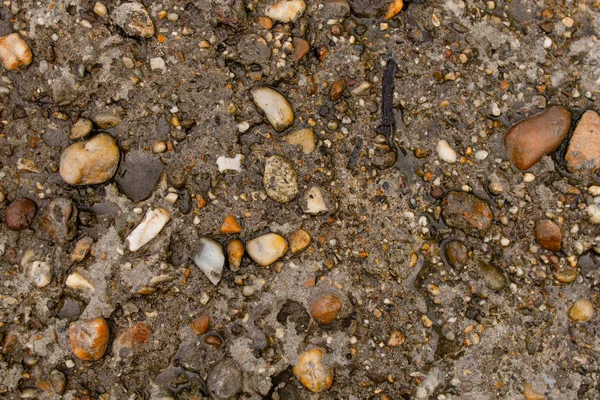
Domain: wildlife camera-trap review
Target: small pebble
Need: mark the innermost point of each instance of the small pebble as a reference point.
(326, 308)
(314, 371)
(581, 311)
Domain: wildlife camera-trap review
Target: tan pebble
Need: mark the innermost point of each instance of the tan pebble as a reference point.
(313, 371)
(235, 252)
(394, 8)
(100, 9)
(326, 308)
(265, 22)
(159, 147)
(213, 341)
(89, 339)
(81, 249)
(14, 52)
(200, 325)
(298, 241)
(581, 311)
(90, 162)
(531, 394)
(396, 339)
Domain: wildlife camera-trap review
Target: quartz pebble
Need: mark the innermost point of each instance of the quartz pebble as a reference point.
(466, 212)
(210, 259)
(314, 371)
(40, 273)
(235, 252)
(286, 10)
(275, 106)
(267, 249)
(326, 308)
(20, 213)
(230, 164)
(225, 380)
(336, 89)
(298, 241)
(89, 339)
(303, 137)
(59, 220)
(314, 201)
(583, 152)
(280, 179)
(548, 234)
(90, 162)
(446, 152)
(529, 140)
(133, 19)
(154, 221)
(14, 52)
(581, 311)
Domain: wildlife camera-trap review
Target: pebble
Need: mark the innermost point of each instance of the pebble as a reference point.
(14, 52)
(529, 140)
(224, 380)
(481, 155)
(267, 249)
(492, 276)
(90, 162)
(581, 311)
(106, 120)
(466, 212)
(76, 281)
(154, 221)
(20, 213)
(313, 371)
(446, 152)
(200, 325)
(275, 106)
(564, 274)
(213, 340)
(593, 212)
(396, 339)
(394, 8)
(336, 89)
(286, 10)
(457, 253)
(314, 202)
(80, 129)
(301, 48)
(265, 22)
(583, 152)
(138, 334)
(230, 225)
(158, 64)
(548, 235)
(59, 220)
(58, 381)
(133, 19)
(531, 394)
(40, 273)
(89, 339)
(326, 308)
(230, 164)
(100, 9)
(303, 137)
(280, 179)
(298, 241)
(159, 147)
(210, 259)
(138, 174)
(235, 252)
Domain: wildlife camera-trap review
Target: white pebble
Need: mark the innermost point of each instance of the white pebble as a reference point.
(171, 197)
(445, 152)
(547, 43)
(528, 177)
(593, 211)
(154, 221)
(481, 155)
(233, 164)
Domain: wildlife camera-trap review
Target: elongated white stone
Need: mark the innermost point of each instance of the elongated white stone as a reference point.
(78, 282)
(154, 221)
(210, 259)
(277, 109)
(286, 10)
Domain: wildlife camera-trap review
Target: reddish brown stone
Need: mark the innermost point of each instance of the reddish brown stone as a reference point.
(457, 253)
(467, 212)
(529, 140)
(301, 49)
(326, 308)
(336, 90)
(583, 152)
(137, 334)
(20, 213)
(200, 325)
(213, 341)
(548, 234)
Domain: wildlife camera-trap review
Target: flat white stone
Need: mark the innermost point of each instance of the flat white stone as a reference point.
(210, 259)
(154, 221)
(234, 164)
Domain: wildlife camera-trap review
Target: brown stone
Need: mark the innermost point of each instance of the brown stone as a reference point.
(235, 252)
(59, 220)
(230, 225)
(301, 49)
(81, 249)
(531, 394)
(200, 325)
(396, 339)
(137, 334)
(265, 22)
(583, 152)
(336, 89)
(313, 370)
(529, 140)
(20, 213)
(548, 234)
(457, 253)
(466, 212)
(89, 339)
(326, 308)
(213, 340)
(298, 241)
